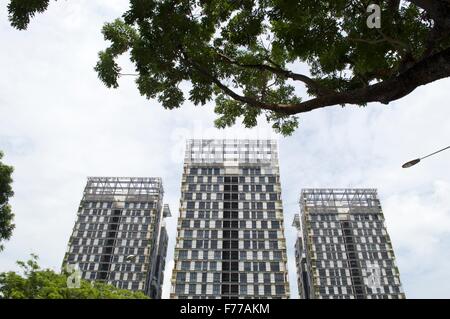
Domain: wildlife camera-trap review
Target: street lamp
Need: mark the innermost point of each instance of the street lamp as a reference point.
(417, 160)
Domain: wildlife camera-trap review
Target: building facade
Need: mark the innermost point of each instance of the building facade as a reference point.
(119, 236)
(343, 249)
(230, 233)
(162, 253)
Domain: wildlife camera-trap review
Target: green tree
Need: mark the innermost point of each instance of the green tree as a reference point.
(36, 283)
(241, 52)
(6, 216)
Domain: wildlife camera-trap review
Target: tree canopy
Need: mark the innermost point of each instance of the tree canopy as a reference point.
(6, 192)
(242, 53)
(36, 283)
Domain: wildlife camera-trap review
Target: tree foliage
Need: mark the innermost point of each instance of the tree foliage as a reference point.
(241, 53)
(22, 11)
(36, 283)
(6, 192)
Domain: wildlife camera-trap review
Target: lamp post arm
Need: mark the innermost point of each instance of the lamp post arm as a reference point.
(436, 152)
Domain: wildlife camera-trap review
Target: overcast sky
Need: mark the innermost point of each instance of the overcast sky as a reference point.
(59, 124)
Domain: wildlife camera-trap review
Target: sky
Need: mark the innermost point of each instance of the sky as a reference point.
(59, 124)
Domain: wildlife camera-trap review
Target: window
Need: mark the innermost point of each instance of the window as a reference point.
(187, 244)
(181, 276)
(242, 255)
(203, 289)
(185, 265)
(279, 289)
(275, 266)
(179, 288)
(190, 204)
(185, 223)
(192, 288)
(189, 214)
(234, 289)
(216, 289)
(277, 255)
(279, 277)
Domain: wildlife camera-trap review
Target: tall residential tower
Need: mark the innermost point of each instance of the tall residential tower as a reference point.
(230, 241)
(119, 235)
(343, 249)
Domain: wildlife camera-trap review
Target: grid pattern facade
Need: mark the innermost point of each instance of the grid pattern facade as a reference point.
(230, 234)
(117, 233)
(344, 250)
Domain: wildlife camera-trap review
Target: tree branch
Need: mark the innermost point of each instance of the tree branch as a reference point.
(423, 72)
(223, 87)
(312, 84)
(428, 70)
(367, 41)
(394, 42)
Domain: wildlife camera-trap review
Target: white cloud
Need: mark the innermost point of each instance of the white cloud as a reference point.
(419, 224)
(59, 124)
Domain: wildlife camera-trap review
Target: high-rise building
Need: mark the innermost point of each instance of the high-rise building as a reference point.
(119, 236)
(343, 249)
(230, 235)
